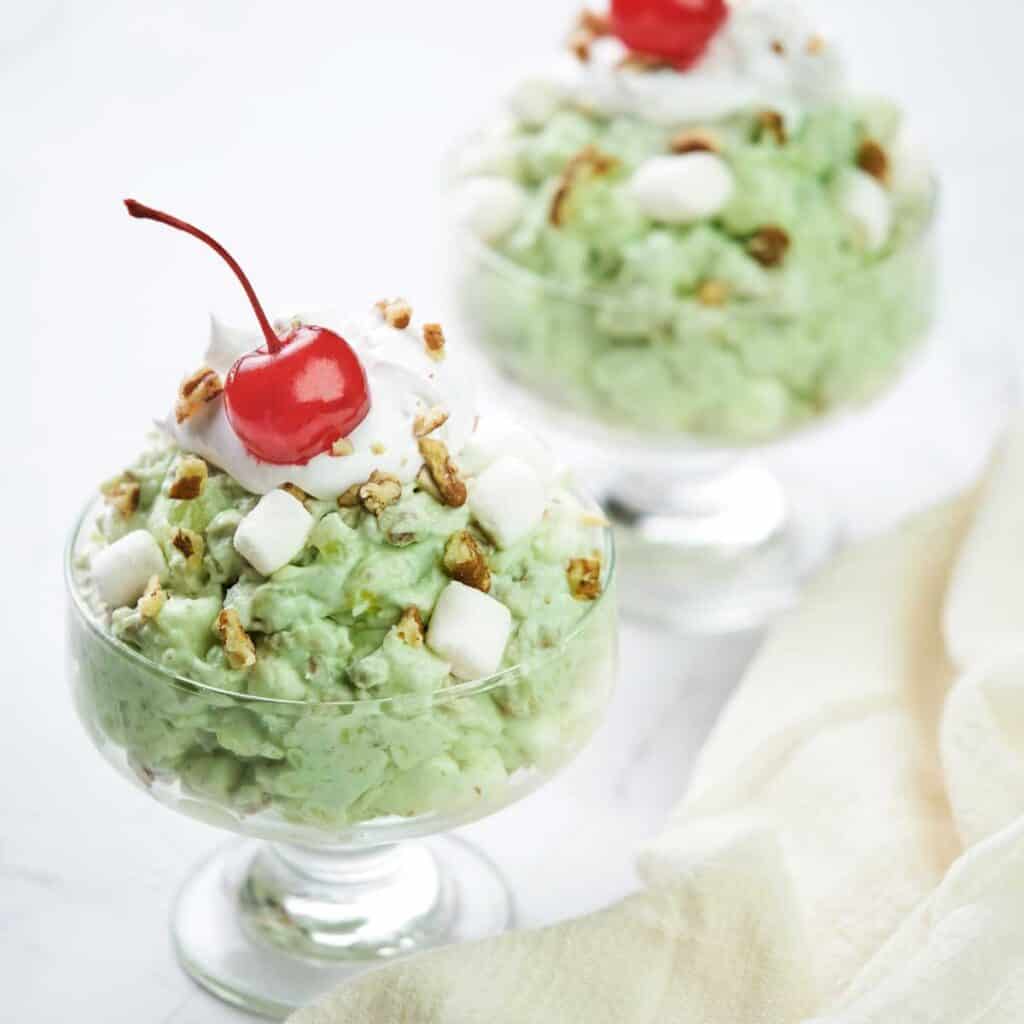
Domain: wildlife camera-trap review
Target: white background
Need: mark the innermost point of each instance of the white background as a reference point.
(307, 136)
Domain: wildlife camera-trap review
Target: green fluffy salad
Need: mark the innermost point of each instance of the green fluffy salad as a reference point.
(313, 694)
(730, 277)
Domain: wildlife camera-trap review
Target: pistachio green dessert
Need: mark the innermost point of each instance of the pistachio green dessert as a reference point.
(424, 633)
(313, 691)
(729, 251)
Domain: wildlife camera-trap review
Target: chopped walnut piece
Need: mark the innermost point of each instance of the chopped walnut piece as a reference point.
(769, 245)
(588, 161)
(238, 645)
(584, 575)
(464, 561)
(154, 597)
(350, 498)
(816, 45)
(444, 472)
(410, 627)
(397, 312)
(123, 494)
(713, 293)
(771, 122)
(342, 447)
(380, 491)
(425, 482)
(428, 421)
(190, 545)
(779, 47)
(195, 391)
(433, 338)
(694, 141)
(296, 492)
(189, 479)
(873, 160)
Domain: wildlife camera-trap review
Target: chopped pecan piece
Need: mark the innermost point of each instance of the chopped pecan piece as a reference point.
(589, 161)
(380, 491)
(594, 23)
(584, 575)
(433, 339)
(713, 293)
(443, 472)
(428, 421)
(580, 41)
(771, 122)
(694, 141)
(190, 545)
(589, 27)
(769, 245)
(342, 447)
(873, 160)
(238, 645)
(643, 62)
(464, 561)
(425, 482)
(410, 627)
(154, 597)
(296, 492)
(123, 494)
(189, 479)
(350, 498)
(195, 391)
(397, 312)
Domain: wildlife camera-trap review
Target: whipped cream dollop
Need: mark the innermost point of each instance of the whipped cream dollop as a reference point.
(766, 55)
(404, 381)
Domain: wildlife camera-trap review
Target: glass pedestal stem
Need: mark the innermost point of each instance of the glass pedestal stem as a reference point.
(718, 547)
(271, 927)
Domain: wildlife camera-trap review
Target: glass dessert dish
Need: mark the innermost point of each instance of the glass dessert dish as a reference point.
(332, 609)
(342, 878)
(682, 266)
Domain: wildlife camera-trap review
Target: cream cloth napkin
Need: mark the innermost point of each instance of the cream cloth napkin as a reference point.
(851, 849)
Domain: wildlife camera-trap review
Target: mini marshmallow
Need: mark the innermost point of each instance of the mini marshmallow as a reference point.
(494, 438)
(490, 207)
(536, 100)
(470, 630)
(507, 500)
(122, 570)
(274, 532)
(867, 204)
(682, 189)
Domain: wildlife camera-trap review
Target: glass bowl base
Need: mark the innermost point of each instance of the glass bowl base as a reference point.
(706, 565)
(271, 928)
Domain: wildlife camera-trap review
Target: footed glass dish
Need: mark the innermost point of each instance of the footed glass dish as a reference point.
(679, 393)
(344, 805)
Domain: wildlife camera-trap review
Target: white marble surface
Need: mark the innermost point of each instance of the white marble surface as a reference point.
(307, 135)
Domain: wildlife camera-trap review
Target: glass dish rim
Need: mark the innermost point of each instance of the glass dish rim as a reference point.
(467, 688)
(587, 295)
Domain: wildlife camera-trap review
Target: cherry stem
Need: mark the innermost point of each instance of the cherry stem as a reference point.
(148, 213)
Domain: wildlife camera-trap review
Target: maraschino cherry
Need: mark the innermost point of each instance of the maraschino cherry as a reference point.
(676, 31)
(296, 395)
